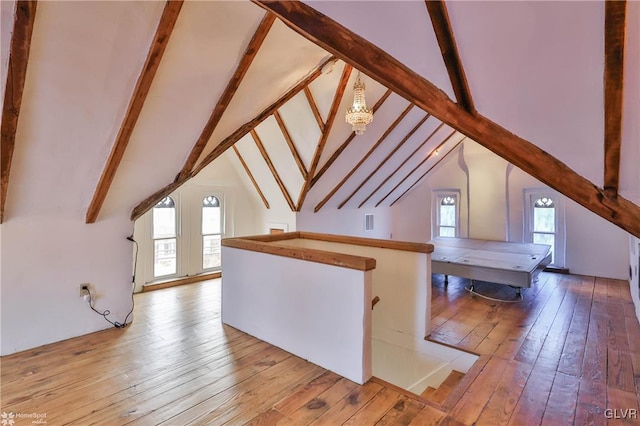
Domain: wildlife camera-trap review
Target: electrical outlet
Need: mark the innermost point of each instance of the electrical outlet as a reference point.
(84, 289)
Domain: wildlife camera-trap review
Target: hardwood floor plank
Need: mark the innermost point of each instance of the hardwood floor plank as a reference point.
(623, 407)
(619, 362)
(194, 405)
(402, 413)
(500, 407)
(592, 402)
(104, 397)
(428, 416)
(532, 344)
(98, 379)
(307, 392)
(243, 406)
(177, 364)
(268, 418)
(321, 404)
(375, 409)
(469, 377)
(533, 400)
(572, 355)
(594, 366)
(561, 405)
(472, 403)
(348, 406)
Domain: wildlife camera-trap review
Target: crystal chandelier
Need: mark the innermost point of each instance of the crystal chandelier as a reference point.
(359, 115)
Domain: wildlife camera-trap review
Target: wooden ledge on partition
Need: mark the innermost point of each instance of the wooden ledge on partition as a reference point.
(261, 243)
(174, 282)
(369, 242)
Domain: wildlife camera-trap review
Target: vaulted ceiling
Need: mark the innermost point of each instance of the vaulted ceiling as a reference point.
(125, 101)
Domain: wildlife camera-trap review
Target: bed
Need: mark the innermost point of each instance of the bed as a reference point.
(513, 264)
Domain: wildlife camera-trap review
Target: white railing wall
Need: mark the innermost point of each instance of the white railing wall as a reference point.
(312, 295)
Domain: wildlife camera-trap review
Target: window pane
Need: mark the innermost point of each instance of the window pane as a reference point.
(211, 223)
(548, 239)
(448, 215)
(164, 257)
(446, 231)
(544, 219)
(211, 251)
(164, 222)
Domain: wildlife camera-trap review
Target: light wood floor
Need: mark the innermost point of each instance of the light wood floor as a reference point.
(567, 353)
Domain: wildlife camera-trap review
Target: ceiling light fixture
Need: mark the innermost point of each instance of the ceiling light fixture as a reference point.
(358, 115)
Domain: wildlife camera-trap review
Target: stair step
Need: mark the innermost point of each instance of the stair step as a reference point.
(428, 392)
(446, 387)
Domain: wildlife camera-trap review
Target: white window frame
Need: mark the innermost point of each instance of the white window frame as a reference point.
(530, 197)
(437, 196)
(221, 201)
(176, 206)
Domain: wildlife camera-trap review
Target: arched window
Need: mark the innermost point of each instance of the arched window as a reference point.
(447, 214)
(211, 232)
(164, 238)
(545, 222)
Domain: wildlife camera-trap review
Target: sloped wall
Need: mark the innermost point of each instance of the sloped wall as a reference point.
(594, 246)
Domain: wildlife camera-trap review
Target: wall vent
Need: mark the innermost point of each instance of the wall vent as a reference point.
(368, 222)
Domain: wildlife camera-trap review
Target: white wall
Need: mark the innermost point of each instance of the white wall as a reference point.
(412, 214)
(45, 258)
(634, 278)
(318, 312)
(347, 221)
(490, 186)
(486, 191)
(401, 279)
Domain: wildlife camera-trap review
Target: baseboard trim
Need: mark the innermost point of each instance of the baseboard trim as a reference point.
(180, 281)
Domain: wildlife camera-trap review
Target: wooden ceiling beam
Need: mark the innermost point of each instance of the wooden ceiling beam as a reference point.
(391, 73)
(433, 152)
(382, 138)
(253, 180)
(367, 155)
(387, 158)
(393, 173)
(427, 172)
(272, 167)
(153, 199)
(140, 92)
(614, 29)
(228, 142)
(292, 146)
(314, 108)
(20, 45)
(333, 112)
(444, 34)
(232, 86)
(346, 143)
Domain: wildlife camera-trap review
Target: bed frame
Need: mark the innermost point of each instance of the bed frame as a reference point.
(513, 264)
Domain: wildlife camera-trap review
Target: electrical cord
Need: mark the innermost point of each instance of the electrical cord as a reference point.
(107, 312)
(473, 291)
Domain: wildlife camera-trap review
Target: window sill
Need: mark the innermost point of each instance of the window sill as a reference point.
(174, 282)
